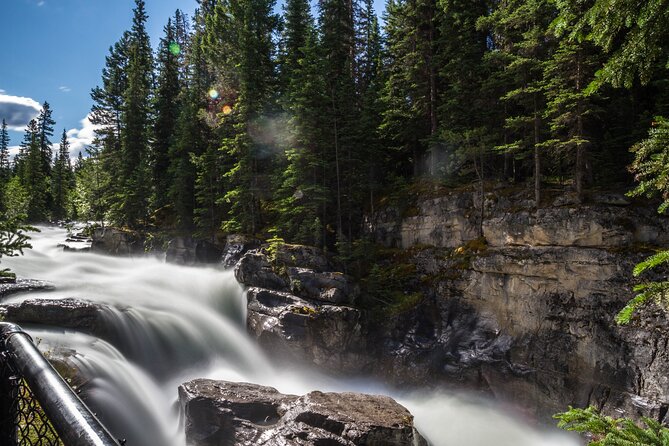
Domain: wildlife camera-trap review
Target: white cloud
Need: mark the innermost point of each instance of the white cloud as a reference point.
(41, 3)
(80, 138)
(65, 89)
(17, 111)
(2, 91)
(13, 150)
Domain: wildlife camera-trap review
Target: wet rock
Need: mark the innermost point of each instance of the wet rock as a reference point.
(115, 241)
(235, 247)
(295, 329)
(220, 412)
(331, 287)
(24, 285)
(254, 269)
(71, 313)
(190, 251)
(73, 245)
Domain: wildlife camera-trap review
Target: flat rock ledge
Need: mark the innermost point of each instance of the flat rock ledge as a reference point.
(228, 413)
(69, 313)
(24, 285)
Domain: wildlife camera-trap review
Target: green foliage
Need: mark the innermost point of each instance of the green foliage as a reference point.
(651, 164)
(88, 197)
(387, 288)
(651, 168)
(62, 181)
(274, 245)
(570, 107)
(521, 27)
(634, 34)
(607, 431)
(16, 199)
(166, 108)
(13, 239)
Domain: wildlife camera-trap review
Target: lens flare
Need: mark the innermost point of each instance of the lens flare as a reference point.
(174, 48)
(226, 109)
(213, 93)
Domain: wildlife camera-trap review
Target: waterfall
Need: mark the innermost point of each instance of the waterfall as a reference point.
(169, 324)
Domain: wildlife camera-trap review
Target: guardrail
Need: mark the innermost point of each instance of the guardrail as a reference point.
(37, 407)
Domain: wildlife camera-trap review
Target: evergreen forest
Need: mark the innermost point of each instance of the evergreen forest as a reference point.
(297, 125)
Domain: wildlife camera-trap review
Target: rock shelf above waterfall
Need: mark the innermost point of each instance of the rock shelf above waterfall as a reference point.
(222, 412)
(75, 314)
(24, 285)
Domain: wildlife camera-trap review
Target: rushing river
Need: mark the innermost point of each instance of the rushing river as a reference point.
(173, 323)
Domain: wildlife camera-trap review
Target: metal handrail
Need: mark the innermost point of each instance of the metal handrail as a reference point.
(74, 422)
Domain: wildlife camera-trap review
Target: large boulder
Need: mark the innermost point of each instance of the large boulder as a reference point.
(190, 251)
(255, 270)
(295, 329)
(115, 241)
(226, 413)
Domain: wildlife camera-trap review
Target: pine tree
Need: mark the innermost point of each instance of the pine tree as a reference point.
(338, 46)
(410, 92)
(570, 107)
(370, 83)
(459, 51)
(168, 87)
(131, 207)
(61, 180)
(522, 26)
(35, 180)
(634, 34)
(250, 81)
(4, 148)
(192, 138)
(298, 22)
(5, 168)
(106, 115)
(45, 123)
(301, 194)
(80, 162)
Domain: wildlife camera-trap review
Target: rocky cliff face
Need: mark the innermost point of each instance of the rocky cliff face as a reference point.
(530, 318)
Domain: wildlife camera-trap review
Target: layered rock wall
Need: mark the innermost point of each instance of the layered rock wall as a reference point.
(531, 317)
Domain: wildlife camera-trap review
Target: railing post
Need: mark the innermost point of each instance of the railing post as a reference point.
(9, 388)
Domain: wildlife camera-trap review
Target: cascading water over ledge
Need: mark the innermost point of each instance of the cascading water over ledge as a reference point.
(165, 325)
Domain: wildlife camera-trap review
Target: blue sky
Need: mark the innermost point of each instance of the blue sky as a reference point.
(54, 51)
